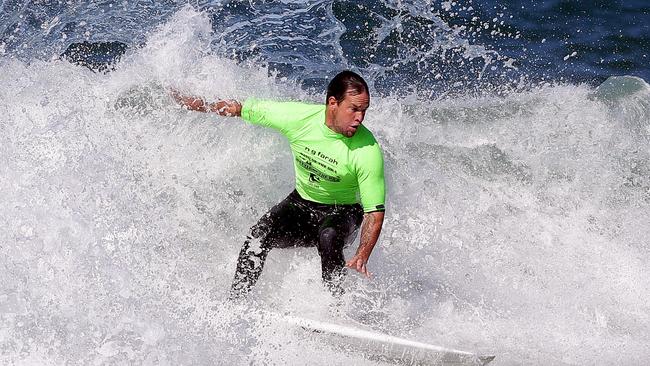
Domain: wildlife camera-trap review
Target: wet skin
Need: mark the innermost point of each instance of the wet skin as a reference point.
(346, 116)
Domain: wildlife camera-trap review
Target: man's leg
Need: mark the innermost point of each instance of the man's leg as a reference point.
(284, 225)
(249, 265)
(337, 230)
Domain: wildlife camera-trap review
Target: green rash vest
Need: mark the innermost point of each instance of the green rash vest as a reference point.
(330, 167)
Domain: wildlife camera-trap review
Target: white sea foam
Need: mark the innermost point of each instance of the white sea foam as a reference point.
(516, 225)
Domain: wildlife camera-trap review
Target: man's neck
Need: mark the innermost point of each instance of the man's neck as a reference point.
(329, 121)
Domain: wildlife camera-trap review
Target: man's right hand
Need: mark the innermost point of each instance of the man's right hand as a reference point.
(227, 108)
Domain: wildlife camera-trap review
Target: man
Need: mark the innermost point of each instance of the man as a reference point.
(335, 157)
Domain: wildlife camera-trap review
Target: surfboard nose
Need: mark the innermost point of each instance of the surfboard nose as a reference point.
(486, 359)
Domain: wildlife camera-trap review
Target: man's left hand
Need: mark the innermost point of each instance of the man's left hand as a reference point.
(358, 263)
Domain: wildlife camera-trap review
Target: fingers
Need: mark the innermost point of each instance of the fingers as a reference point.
(353, 263)
(364, 270)
(359, 265)
(178, 97)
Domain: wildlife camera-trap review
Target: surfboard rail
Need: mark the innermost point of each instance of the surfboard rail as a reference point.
(387, 347)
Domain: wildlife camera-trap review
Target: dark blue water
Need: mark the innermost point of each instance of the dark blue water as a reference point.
(608, 37)
(405, 46)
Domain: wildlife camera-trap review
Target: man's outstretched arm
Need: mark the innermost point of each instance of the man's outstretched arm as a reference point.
(228, 108)
(370, 230)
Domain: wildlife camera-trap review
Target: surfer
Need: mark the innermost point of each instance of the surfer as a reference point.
(335, 158)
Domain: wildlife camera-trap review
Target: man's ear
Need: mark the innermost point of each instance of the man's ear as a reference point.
(332, 101)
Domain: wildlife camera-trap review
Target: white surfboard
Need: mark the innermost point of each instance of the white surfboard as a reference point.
(385, 347)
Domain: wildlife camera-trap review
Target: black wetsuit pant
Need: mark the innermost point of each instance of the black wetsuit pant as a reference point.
(296, 222)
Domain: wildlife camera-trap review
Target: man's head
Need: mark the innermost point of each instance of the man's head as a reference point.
(347, 100)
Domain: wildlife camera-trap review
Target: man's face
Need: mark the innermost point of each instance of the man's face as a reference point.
(348, 114)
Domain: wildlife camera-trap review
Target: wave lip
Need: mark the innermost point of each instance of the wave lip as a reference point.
(97, 56)
(628, 98)
(618, 87)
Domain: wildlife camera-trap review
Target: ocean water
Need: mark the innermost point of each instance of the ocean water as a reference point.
(517, 163)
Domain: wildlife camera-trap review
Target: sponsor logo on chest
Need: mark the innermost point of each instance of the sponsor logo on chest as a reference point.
(319, 165)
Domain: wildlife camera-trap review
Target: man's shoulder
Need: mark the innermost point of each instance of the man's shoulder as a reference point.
(363, 138)
(289, 105)
(365, 153)
(281, 114)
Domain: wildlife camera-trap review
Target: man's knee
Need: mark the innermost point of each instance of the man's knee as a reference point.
(328, 240)
(254, 247)
(259, 235)
(260, 229)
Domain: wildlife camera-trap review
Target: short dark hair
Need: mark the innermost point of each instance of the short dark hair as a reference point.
(344, 82)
